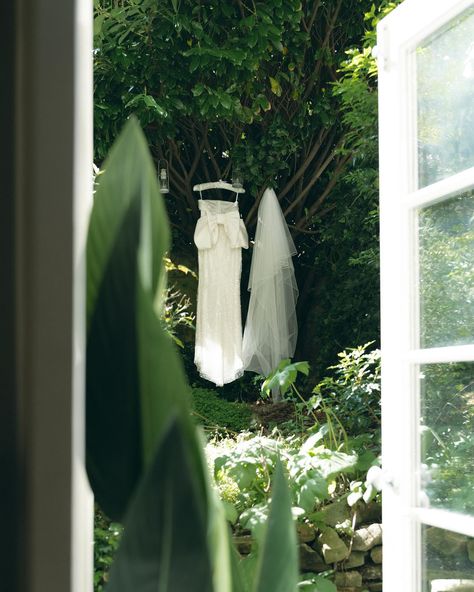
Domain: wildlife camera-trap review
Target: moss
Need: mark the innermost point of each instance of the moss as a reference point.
(213, 412)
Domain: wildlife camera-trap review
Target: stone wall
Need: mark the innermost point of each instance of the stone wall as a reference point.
(357, 559)
(351, 545)
(354, 553)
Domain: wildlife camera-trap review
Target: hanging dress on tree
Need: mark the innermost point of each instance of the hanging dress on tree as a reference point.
(220, 236)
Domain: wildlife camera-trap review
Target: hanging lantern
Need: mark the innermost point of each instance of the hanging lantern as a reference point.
(164, 175)
(237, 179)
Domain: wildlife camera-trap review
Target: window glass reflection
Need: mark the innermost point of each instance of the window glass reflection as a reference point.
(446, 243)
(447, 436)
(445, 97)
(448, 561)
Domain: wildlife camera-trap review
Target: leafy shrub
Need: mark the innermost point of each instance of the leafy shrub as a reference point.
(353, 392)
(216, 413)
(176, 308)
(243, 469)
(107, 537)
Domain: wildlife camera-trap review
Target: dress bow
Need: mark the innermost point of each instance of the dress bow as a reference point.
(207, 230)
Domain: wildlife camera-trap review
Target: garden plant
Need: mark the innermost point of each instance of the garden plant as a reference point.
(195, 491)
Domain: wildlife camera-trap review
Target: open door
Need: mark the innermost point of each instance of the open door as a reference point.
(426, 94)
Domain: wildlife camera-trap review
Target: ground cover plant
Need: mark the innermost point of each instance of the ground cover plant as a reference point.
(217, 415)
(330, 448)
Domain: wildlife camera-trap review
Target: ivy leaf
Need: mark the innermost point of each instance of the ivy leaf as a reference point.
(275, 86)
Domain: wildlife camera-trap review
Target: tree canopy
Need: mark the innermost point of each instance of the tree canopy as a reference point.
(283, 90)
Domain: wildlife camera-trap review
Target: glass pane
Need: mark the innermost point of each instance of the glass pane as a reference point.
(445, 96)
(446, 242)
(448, 562)
(447, 436)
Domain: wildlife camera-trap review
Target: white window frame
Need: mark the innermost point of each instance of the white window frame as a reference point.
(398, 34)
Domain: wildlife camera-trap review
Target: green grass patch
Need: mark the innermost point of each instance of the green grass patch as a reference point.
(213, 412)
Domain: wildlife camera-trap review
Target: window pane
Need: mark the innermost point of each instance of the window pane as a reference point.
(446, 238)
(445, 95)
(447, 561)
(447, 436)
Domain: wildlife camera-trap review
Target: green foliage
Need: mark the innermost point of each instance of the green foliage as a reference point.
(218, 84)
(243, 469)
(286, 91)
(144, 456)
(128, 236)
(353, 391)
(218, 414)
(313, 583)
(342, 309)
(176, 308)
(446, 239)
(279, 541)
(284, 376)
(107, 537)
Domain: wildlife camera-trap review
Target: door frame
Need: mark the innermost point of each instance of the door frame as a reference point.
(48, 200)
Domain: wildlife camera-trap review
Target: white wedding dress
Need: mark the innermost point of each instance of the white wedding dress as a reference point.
(220, 236)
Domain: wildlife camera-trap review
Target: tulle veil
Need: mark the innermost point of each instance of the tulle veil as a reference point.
(271, 329)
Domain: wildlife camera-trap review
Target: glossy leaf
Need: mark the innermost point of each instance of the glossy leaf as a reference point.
(284, 376)
(278, 565)
(164, 546)
(128, 236)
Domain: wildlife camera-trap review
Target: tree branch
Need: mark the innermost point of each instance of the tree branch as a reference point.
(313, 15)
(215, 166)
(322, 135)
(306, 221)
(320, 168)
(314, 76)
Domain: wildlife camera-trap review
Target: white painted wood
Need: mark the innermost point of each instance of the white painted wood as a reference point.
(218, 185)
(82, 502)
(413, 21)
(53, 200)
(441, 355)
(396, 250)
(437, 192)
(444, 519)
(398, 35)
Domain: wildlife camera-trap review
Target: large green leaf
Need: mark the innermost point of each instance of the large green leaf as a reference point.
(127, 238)
(278, 566)
(113, 430)
(164, 547)
(129, 174)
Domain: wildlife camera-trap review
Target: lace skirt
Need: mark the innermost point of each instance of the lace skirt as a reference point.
(220, 236)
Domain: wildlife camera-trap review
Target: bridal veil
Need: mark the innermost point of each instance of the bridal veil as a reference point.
(271, 328)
